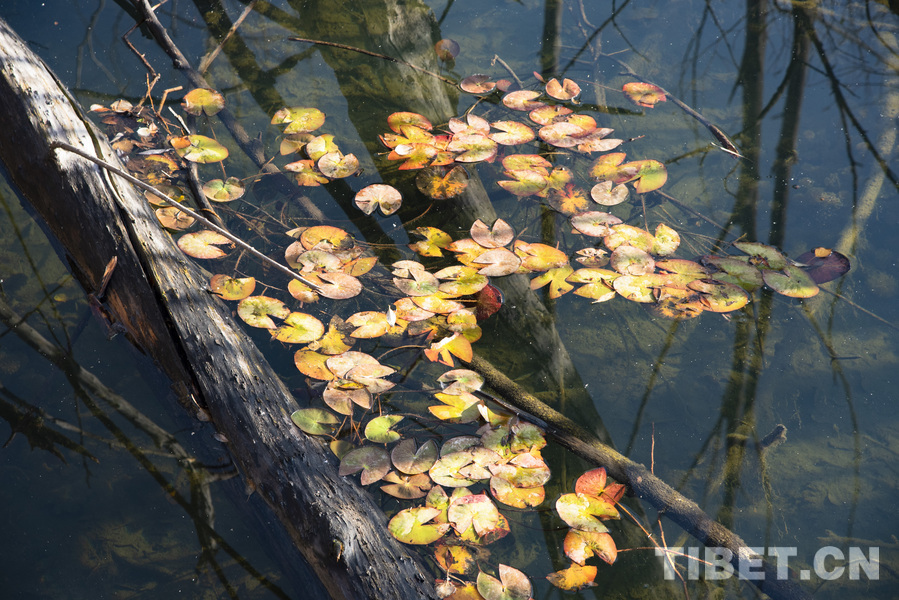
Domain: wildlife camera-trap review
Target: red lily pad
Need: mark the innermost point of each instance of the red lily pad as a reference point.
(824, 264)
(477, 84)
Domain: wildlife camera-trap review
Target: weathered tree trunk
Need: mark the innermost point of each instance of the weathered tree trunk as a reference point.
(159, 297)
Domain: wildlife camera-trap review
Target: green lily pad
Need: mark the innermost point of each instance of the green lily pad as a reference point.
(792, 281)
(585, 512)
(257, 311)
(315, 421)
(203, 100)
(199, 148)
(299, 328)
(299, 119)
(223, 191)
(379, 429)
(414, 526)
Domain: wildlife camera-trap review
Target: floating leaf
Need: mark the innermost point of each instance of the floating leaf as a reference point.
(489, 301)
(476, 518)
(525, 182)
(574, 579)
(294, 143)
(326, 237)
(630, 235)
(339, 286)
(373, 461)
(232, 288)
(435, 239)
(441, 183)
(379, 429)
(556, 279)
(299, 328)
(666, 241)
(569, 201)
(315, 421)
(517, 497)
(644, 94)
(584, 511)
(628, 260)
(368, 324)
(203, 100)
(456, 559)
(257, 311)
(438, 303)
(581, 545)
(172, 217)
(312, 364)
(459, 280)
(594, 223)
(223, 191)
(763, 255)
(513, 133)
(651, 175)
(792, 281)
(460, 380)
(567, 90)
(421, 283)
(735, 270)
(342, 400)
(199, 148)
(477, 84)
(410, 525)
(398, 119)
(456, 408)
(718, 296)
(410, 461)
(511, 585)
(306, 173)
(336, 165)
(539, 257)
(523, 100)
(406, 487)
(447, 49)
(475, 147)
(456, 345)
(823, 264)
(603, 193)
(321, 145)
(639, 288)
(299, 119)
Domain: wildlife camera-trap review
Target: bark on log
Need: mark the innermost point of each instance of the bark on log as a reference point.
(159, 296)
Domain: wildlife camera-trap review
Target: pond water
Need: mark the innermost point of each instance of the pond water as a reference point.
(809, 92)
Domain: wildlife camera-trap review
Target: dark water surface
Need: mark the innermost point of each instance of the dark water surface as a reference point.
(810, 94)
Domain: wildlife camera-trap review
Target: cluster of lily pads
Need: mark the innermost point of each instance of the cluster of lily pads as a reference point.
(440, 310)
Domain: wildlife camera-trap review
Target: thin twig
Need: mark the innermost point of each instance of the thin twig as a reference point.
(260, 256)
(376, 55)
(207, 60)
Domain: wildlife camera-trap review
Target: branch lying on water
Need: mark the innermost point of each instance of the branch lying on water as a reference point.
(726, 144)
(642, 483)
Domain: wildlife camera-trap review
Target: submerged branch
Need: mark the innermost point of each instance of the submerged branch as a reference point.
(642, 483)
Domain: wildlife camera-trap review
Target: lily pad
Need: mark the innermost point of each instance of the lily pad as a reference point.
(411, 461)
(299, 119)
(373, 461)
(442, 183)
(791, 281)
(574, 579)
(566, 90)
(585, 512)
(223, 191)
(232, 288)
(581, 545)
(315, 421)
(415, 526)
(406, 487)
(299, 328)
(511, 585)
(203, 100)
(380, 429)
(644, 94)
(199, 148)
(257, 311)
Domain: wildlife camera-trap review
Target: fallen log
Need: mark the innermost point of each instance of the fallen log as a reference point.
(158, 296)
